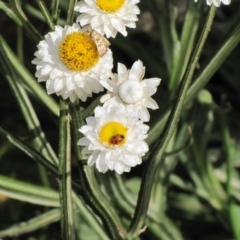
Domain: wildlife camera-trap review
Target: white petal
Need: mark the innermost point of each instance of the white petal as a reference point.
(136, 71)
(58, 84)
(119, 168)
(144, 114)
(85, 151)
(137, 147)
(109, 85)
(119, 26)
(132, 160)
(101, 163)
(150, 103)
(83, 141)
(91, 121)
(105, 97)
(122, 72)
(152, 82)
(226, 2)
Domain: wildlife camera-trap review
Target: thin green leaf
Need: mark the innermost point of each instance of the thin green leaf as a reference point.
(207, 70)
(40, 142)
(29, 151)
(46, 14)
(28, 188)
(153, 163)
(89, 217)
(229, 151)
(65, 184)
(164, 29)
(29, 198)
(29, 27)
(28, 79)
(70, 12)
(33, 224)
(183, 48)
(10, 13)
(55, 10)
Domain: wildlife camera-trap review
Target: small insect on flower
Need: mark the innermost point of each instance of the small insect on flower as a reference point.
(101, 42)
(117, 139)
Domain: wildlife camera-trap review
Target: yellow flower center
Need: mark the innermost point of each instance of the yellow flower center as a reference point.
(78, 51)
(110, 6)
(113, 134)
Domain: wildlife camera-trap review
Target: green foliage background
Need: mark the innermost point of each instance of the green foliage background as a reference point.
(195, 194)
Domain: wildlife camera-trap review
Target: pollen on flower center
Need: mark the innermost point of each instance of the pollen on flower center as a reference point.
(110, 6)
(78, 51)
(113, 134)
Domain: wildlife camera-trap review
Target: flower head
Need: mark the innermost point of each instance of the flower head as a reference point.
(69, 61)
(108, 16)
(217, 2)
(127, 88)
(115, 139)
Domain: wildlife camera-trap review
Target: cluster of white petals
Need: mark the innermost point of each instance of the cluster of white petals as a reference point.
(128, 88)
(108, 23)
(217, 3)
(62, 80)
(113, 157)
(76, 62)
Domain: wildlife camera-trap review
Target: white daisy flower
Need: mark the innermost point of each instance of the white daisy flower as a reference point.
(127, 88)
(69, 61)
(115, 139)
(108, 16)
(217, 2)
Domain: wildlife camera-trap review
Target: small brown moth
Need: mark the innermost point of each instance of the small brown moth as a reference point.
(101, 42)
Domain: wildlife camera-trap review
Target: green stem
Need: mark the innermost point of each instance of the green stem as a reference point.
(46, 14)
(149, 174)
(163, 17)
(70, 12)
(31, 30)
(183, 54)
(54, 10)
(65, 184)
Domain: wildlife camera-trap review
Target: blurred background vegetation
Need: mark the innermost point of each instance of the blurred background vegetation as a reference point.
(196, 194)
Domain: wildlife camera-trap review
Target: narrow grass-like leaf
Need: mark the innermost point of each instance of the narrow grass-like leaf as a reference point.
(27, 188)
(29, 27)
(126, 201)
(185, 46)
(29, 151)
(229, 150)
(205, 73)
(40, 142)
(163, 24)
(70, 12)
(54, 10)
(29, 80)
(65, 184)
(89, 217)
(10, 13)
(35, 223)
(155, 159)
(46, 14)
